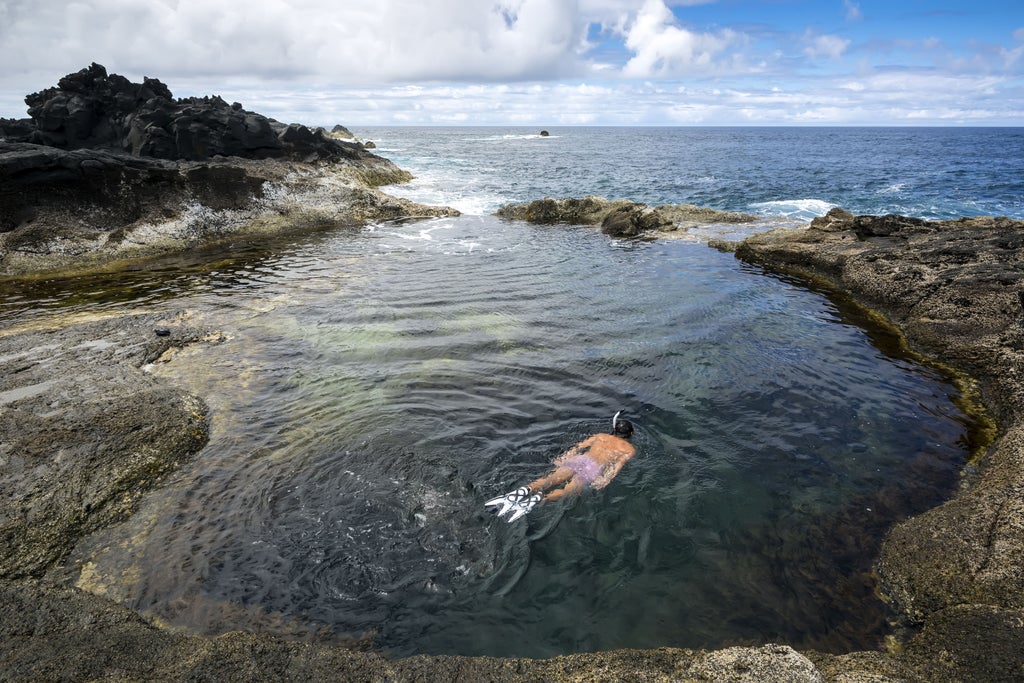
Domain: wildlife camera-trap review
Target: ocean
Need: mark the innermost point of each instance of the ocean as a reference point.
(379, 385)
(799, 173)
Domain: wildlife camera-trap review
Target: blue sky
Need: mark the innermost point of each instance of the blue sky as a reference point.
(543, 62)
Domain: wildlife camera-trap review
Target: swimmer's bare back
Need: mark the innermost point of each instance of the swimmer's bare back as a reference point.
(592, 463)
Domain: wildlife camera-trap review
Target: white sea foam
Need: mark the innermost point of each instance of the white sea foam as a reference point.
(800, 209)
(437, 188)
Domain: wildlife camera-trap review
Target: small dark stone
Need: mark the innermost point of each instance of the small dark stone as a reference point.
(162, 332)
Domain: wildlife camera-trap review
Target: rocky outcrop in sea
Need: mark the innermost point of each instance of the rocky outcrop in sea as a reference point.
(621, 217)
(107, 169)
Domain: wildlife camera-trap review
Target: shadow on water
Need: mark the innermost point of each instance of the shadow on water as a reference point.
(377, 387)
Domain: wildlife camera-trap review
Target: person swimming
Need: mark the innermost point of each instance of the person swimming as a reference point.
(592, 463)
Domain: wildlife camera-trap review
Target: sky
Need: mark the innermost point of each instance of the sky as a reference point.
(544, 63)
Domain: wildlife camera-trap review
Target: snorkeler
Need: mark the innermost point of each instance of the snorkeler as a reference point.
(593, 462)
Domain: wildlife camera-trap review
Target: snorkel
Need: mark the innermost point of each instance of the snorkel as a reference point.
(621, 428)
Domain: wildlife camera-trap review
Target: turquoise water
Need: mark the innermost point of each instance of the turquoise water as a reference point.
(378, 385)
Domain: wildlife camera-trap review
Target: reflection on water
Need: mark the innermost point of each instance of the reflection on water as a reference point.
(378, 386)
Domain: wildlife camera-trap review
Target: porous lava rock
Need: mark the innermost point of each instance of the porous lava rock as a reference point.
(92, 109)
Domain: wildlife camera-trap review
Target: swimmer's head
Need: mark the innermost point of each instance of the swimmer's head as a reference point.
(623, 428)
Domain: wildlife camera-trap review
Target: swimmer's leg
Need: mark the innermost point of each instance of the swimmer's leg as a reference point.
(525, 498)
(574, 487)
(555, 478)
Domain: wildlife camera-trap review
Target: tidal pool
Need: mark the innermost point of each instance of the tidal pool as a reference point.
(377, 386)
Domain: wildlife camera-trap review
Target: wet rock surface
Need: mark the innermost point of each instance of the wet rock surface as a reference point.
(622, 217)
(954, 289)
(106, 169)
(84, 432)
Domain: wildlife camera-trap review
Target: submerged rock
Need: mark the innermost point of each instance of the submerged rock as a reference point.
(84, 432)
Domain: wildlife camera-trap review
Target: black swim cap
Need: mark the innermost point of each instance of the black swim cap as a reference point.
(623, 428)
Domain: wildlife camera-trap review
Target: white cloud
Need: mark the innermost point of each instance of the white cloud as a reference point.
(662, 47)
(543, 62)
(1011, 56)
(363, 40)
(357, 42)
(853, 12)
(828, 46)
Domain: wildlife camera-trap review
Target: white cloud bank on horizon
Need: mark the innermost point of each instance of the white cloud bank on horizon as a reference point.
(507, 61)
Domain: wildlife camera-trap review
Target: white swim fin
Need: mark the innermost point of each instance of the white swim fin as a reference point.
(518, 503)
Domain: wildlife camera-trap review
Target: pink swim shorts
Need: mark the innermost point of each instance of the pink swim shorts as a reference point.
(584, 467)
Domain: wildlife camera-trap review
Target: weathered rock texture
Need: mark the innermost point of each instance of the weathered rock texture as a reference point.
(620, 218)
(93, 110)
(956, 289)
(84, 432)
(107, 169)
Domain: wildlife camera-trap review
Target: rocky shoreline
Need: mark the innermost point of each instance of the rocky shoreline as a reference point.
(955, 289)
(106, 170)
(78, 452)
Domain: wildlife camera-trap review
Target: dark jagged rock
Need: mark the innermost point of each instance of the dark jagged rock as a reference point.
(107, 169)
(94, 110)
(342, 132)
